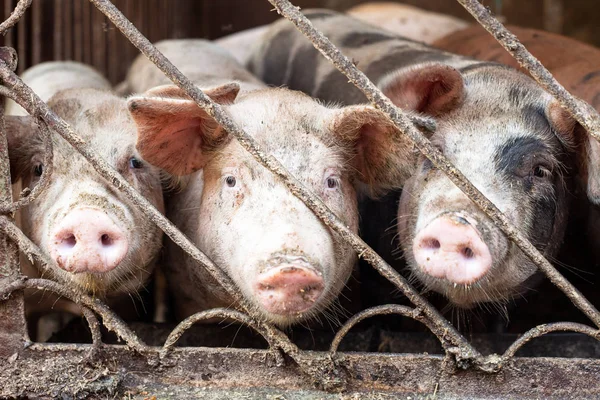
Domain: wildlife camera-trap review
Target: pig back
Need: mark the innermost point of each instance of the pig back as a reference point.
(408, 21)
(47, 79)
(204, 63)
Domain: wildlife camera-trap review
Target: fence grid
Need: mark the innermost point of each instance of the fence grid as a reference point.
(323, 372)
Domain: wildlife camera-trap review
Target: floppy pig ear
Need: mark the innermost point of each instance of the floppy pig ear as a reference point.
(587, 149)
(381, 154)
(174, 133)
(433, 89)
(23, 141)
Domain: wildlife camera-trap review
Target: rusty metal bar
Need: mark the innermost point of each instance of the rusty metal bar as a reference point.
(15, 16)
(58, 30)
(315, 204)
(541, 330)
(13, 329)
(585, 114)
(344, 65)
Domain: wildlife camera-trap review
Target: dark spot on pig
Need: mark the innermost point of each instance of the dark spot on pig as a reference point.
(278, 53)
(590, 76)
(334, 84)
(319, 14)
(164, 145)
(517, 93)
(359, 39)
(477, 66)
(542, 225)
(509, 157)
(303, 69)
(133, 106)
(535, 119)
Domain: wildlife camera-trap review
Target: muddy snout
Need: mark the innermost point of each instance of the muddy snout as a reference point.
(87, 240)
(451, 248)
(289, 287)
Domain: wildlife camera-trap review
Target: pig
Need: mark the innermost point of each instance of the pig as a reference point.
(508, 136)
(240, 44)
(100, 242)
(288, 266)
(198, 59)
(408, 21)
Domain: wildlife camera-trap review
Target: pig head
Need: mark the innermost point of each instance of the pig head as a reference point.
(100, 242)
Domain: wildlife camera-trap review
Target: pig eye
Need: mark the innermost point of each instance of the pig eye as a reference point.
(541, 172)
(230, 181)
(38, 169)
(135, 163)
(332, 182)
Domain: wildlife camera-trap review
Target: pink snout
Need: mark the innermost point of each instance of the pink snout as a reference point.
(451, 248)
(289, 289)
(87, 240)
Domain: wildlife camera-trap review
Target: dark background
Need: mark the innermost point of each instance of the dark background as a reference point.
(75, 30)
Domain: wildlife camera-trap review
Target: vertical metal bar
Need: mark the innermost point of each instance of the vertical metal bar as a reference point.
(9, 39)
(13, 330)
(36, 45)
(78, 30)
(67, 29)
(22, 45)
(57, 28)
(87, 32)
(553, 15)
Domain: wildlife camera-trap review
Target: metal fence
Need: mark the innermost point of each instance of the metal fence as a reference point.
(28, 369)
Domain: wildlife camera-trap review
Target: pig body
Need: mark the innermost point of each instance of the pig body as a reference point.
(496, 125)
(240, 44)
(407, 21)
(100, 242)
(285, 262)
(200, 60)
(63, 75)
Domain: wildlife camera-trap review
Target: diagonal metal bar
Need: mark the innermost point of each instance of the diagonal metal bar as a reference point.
(585, 114)
(344, 65)
(311, 201)
(15, 16)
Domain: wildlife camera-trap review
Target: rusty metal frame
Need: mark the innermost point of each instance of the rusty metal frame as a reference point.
(284, 367)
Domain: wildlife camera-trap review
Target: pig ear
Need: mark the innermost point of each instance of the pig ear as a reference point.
(175, 134)
(433, 89)
(586, 148)
(224, 94)
(23, 142)
(382, 155)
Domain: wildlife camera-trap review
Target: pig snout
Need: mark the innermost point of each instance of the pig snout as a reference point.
(87, 240)
(451, 248)
(289, 288)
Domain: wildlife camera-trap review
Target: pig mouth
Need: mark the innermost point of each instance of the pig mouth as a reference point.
(289, 287)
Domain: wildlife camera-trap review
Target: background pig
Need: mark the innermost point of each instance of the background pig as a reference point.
(200, 60)
(240, 44)
(488, 116)
(407, 21)
(287, 264)
(101, 243)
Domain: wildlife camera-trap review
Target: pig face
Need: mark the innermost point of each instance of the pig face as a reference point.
(517, 147)
(287, 264)
(100, 242)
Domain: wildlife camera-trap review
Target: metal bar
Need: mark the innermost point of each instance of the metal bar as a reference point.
(344, 65)
(15, 16)
(224, 373)
(57, 40)
(78, 27)
(36, 28)
(13, 329)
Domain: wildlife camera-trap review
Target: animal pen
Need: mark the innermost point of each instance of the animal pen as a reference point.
(147, 364)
